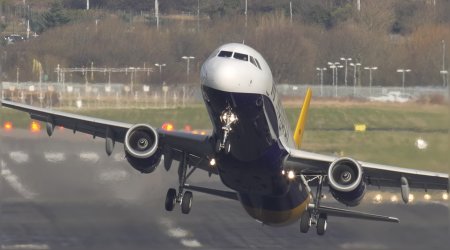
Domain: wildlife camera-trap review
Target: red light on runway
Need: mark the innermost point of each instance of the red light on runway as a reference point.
(35, 126)
(8, 126)
(168, 126)
(187, 128)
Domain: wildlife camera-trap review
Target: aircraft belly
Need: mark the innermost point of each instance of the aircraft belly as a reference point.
(277, 210)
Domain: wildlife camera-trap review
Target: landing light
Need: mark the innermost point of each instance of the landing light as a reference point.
(8, 126)
(35, 126)
(445, 196)
(212, 162)
(394, 198)
(427, 197)
(411, 198)
(378, 198)
(291, 175)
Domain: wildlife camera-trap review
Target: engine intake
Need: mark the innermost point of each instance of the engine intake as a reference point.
(141, 148)
(141, 141)
(346, 182)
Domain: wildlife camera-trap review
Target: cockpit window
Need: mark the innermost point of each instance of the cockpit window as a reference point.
(259, 65)
(224, 53)
(240, 56)
(252, 60)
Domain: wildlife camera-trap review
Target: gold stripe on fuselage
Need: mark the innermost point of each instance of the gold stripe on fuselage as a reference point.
(278, 218)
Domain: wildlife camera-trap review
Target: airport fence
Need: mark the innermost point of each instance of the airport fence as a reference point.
(118, 95)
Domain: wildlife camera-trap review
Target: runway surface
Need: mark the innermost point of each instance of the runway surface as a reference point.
(63, 192)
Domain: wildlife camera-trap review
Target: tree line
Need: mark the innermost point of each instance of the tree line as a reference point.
(388, 34)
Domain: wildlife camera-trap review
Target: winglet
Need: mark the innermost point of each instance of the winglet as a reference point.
(298, 133)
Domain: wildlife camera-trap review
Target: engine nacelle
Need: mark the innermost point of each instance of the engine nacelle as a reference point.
(141, 148)
(345, 177)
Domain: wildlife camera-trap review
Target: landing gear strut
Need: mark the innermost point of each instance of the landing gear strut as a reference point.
(228, 118)
(183, 198)
(313, 216)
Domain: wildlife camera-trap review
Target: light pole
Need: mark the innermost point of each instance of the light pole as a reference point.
(403, 71)
(444, 72)
(160, 65)
(334, 67)
(321, 79)
(346, 61)
(370, 69)
(355, 66)
(188, 59)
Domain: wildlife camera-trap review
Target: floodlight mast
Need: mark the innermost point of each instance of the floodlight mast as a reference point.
(403, 71)
(370, 69)
(188, 59)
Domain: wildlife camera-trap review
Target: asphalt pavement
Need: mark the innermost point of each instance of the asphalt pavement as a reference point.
(63, 192)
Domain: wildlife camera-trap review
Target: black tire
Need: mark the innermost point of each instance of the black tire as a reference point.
(171, 199)
(227, 147)
(322, 224)
(305, 222)
(186, 202)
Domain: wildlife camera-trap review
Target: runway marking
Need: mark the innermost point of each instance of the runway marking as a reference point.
(14, 182)
(89, 156)
(19, 156)
(119, 157)
(180, 233)
(191, 243)
(54, 157)
(114, 175)
(26, 246)
(362, 245)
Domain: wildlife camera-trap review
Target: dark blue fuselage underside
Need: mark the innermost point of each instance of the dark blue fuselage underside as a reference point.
(254, 166)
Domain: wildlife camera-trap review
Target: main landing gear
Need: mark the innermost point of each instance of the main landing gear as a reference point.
(312, 216)
(228, 118)
(184, 198)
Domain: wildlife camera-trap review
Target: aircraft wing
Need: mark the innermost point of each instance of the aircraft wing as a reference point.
(375, 174)
(198, 146)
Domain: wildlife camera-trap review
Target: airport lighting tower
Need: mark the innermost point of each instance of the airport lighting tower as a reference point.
(188, 59)
(355, 68)
(160, 65)
(403, 71)
(370, 69)
(346, 60)
(321, 79)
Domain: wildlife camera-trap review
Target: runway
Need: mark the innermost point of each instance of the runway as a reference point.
(63, 192)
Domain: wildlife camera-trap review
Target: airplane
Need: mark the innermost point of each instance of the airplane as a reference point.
(251, 148)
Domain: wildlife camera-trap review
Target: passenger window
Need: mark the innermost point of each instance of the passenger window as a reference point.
(240, 56)
(224, 53)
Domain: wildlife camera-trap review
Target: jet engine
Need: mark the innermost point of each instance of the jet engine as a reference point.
(345, 178)
(141, 148)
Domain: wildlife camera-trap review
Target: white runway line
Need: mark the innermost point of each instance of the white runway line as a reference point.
(114, 175)
(362, 245)
(26, 246)
(119, 157)
(54, 157)
(14, 182)
(90, 157)
(19, 156)
(179, 233)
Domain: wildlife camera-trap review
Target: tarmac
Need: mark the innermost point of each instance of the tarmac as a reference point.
(64, 192)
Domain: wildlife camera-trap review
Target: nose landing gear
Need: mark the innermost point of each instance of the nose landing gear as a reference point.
(228, 119)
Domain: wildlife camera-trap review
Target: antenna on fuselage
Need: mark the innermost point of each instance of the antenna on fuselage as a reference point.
(243, 42)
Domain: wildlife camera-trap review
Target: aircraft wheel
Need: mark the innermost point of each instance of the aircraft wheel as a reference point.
(322, 224)
(186, 202)
(171, 199)
(305, 222)
(227, 147)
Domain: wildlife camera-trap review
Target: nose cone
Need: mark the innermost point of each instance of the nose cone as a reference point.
(228, 75)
